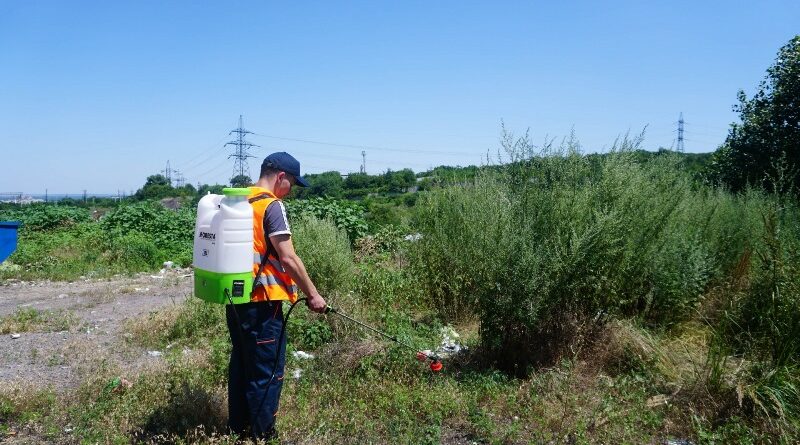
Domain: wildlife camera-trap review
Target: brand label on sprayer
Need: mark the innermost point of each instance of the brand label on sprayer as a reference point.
(207, 235)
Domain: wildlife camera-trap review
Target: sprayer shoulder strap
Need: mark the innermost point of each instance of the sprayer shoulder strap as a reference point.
(269, 248)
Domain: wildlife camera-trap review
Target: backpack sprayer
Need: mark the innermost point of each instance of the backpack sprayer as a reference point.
(223, 261)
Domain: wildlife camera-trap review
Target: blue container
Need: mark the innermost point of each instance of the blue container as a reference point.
(8, 238)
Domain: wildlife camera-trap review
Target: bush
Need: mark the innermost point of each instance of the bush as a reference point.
(325, 250)
(551, 240)
(134, 251)
(346, 215)
(36, 217)
(171, 231)
(761, 324)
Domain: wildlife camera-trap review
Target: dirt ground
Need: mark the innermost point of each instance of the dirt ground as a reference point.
(83, 326)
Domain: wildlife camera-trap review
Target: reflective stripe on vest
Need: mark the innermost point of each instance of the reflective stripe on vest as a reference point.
(272, 280)
(257, 258)
(273, 283)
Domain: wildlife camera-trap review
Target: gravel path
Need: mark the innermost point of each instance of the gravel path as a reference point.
(82, 324)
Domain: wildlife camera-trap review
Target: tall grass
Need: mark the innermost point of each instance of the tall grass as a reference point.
(552, 241)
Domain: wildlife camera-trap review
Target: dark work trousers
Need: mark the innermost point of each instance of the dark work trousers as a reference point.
(252, 407)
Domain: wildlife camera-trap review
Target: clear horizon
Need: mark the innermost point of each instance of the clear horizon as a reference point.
(98, 95)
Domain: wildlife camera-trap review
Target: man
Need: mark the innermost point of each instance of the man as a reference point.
(255, 327)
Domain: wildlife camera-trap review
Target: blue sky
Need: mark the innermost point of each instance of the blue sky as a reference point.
(98, 95)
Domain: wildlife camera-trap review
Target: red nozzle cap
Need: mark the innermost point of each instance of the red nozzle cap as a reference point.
(421, 356)
(436, 366)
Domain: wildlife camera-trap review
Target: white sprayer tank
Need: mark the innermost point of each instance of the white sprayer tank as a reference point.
(223, 247)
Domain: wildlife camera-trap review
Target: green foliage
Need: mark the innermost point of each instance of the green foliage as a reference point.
(133, 251)
(36, 217)
(65, 253)
(766, 144)
(325, 250)
(551, 239)
(158, 187)
(346, 215)
(324, 184)
(171, 231)
(241, 181)
(307, 333)
(761, 323)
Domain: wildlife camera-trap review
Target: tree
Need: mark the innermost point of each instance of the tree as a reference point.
(764, 149)
(241, 181)
(399, 181)
(156, 187)
(322, 184)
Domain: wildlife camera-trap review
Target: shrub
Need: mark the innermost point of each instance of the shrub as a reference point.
(325, 250)
(37, 217)
(134, 251)
(346, 215)
(550, 241)
(171, 231)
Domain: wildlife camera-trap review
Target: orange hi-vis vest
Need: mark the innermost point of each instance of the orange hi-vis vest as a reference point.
(273, 283)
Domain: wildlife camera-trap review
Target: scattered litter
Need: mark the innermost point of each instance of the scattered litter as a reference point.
(67, 429)
(186, 351)
(413, 237)
(63, 295)
(657, 400)
(15, 336)
(449, 345)
(157, 276)
(302, 355)
(141, 289)
(297, 373)
(678, 442)
(170, 345)
(155, 353)
(168, 264)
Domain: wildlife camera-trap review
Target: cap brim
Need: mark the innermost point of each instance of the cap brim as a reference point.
(301, 181)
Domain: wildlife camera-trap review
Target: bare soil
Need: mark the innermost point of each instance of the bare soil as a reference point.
(97, 309)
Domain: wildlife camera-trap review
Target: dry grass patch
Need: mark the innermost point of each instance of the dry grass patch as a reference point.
(34, 320)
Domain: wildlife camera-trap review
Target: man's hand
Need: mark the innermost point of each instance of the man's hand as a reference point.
(316, 303)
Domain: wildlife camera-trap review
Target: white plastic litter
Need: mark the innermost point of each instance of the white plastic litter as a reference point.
(450, 345)
(413, 237)
(155, 353)
(302, 355)
(297, 373)
(168, 264)
(15, 336)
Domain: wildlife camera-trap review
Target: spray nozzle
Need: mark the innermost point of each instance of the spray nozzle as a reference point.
(436, 366)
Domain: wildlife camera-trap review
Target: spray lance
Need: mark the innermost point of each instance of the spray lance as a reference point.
(436, 363)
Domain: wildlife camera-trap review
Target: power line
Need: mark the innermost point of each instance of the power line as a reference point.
(333, 144)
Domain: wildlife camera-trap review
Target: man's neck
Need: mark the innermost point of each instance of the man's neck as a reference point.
(264, 183)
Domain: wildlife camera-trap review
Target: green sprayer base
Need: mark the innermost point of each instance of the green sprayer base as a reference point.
(211, 286)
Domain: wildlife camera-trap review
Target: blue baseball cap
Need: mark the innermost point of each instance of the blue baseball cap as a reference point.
(286, 163)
